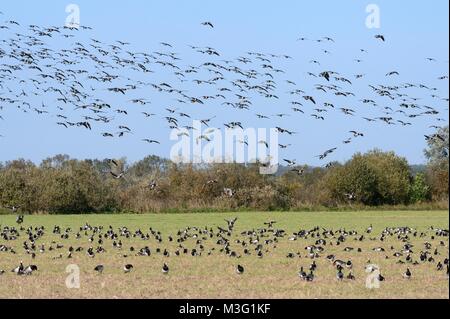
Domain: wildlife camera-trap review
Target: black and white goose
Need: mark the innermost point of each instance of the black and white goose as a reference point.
(99, 269)
(19, 219)
(128, 268)
(350, 276)
(165, 269)
(310, 277)
(30, 269)
(302, 274)
(407, 274)
(240, 269)
(19, 269)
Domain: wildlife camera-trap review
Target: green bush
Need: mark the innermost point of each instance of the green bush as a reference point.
(375, 178)
(64, 185)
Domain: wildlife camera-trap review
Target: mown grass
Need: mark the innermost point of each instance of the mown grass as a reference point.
(274, 276)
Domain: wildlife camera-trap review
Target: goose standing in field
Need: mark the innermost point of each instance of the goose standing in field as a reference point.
(350, 276)
(19, 269)
(407, 274)
(302, 274)
(30, 269)
(310, 277)
(340, 274)
(350, 196)
(128, 268)
(19, 219)
(290, 163)
(165, 269)
(99, 269)
(117, 176)
(240, 270)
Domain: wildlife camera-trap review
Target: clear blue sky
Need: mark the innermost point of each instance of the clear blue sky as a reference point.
(414, 30)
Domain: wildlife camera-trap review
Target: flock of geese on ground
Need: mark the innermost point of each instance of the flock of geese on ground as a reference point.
(89, 84)
(430, 247)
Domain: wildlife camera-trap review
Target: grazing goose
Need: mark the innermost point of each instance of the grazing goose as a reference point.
(310, 277)
(19, 219)
(239, 269)
(340, 274)
(165, 269)
(128, 268)
(13, 208)
(99, 269)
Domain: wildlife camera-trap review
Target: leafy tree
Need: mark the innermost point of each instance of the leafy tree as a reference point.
(437, 154)
(375, 178)
(437, 151)
(420, 190)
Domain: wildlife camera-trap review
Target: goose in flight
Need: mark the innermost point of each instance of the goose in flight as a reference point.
(309, 98)
(13, 208)
(19, 219)
(356, 134)
(326, 153)
(117, 176)
(299, 171)
(208, 24)
(290, 163)
(392, 73)
(149, 141)
(380, 37)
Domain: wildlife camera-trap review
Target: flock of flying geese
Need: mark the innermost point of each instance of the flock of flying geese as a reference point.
(82, 83)
(311, 245)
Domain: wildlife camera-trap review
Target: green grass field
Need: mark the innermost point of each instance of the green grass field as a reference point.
(214, 276)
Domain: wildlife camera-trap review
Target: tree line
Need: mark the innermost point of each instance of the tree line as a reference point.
(62, 185)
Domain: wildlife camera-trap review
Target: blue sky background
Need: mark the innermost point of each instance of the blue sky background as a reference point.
(414, 30)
